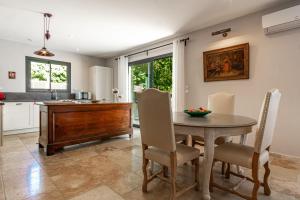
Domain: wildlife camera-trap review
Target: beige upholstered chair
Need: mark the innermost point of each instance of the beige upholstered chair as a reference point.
(221, 103)
(158, 139)
(253, 157)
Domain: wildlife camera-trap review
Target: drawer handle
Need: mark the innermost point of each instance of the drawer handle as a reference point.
(18, 104)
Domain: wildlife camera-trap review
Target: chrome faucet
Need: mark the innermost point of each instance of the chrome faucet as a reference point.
(54, 95)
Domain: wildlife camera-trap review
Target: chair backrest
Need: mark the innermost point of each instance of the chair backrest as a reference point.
(267, 120)
(155, 117)
(222, 103)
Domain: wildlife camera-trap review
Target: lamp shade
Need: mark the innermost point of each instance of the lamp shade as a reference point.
(44, 52)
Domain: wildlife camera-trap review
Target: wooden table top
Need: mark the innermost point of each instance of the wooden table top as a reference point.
(213, 120)
(78, 103)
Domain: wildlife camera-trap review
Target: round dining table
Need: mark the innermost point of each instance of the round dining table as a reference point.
(210, 127)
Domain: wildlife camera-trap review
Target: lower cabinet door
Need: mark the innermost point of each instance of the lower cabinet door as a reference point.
(17, 115)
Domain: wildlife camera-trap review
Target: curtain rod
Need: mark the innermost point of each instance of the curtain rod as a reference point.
(147, 50)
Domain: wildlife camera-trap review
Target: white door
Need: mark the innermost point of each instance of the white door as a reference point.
(16, 115)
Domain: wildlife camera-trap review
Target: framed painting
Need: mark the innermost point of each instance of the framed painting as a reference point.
(12, 75)
(230, 63)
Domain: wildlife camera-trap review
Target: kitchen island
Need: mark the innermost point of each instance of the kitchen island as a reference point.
(69, 123)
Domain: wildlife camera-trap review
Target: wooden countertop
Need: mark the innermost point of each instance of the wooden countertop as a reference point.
(76, 103)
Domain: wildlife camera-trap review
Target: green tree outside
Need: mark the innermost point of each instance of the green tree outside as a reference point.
(40, 71)
(160, 76)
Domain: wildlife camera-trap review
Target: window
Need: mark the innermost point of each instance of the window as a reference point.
(45, 75)
(150, 73)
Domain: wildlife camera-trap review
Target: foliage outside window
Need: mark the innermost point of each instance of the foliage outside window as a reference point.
(45, 75)
(162, 74)
(155, 74)
(139, 75)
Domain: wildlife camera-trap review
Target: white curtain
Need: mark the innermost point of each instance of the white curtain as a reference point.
(123, 78)
(178, 77)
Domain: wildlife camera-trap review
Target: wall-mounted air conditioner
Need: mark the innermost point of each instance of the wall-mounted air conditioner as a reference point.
(281, 20)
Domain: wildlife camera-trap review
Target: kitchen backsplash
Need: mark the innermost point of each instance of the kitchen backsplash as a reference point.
(35, 96)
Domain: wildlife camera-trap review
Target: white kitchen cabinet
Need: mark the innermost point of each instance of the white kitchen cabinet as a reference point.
(20, 117)
(17, 115)
(36, 115)
(101, 82)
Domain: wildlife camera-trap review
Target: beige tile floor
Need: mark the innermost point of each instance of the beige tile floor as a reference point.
(110, 170)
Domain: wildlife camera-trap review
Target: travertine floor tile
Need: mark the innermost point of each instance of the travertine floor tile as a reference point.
(122, 182)
(74, 180)
(2, 194)
(53, 195)
(25, 186)
(112, 169)
(99, 193)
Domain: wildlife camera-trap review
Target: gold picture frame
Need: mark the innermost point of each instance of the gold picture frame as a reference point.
(230, 63)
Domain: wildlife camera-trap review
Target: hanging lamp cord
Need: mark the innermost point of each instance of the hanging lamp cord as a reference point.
(44, 30)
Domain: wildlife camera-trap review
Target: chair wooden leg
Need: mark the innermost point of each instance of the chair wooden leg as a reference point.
(255, 176)
(227, 175)
(223, 168)
(166, 171)
(196, 161)
(145, 182)
(173, 175)
(267, 189)
(145, 164)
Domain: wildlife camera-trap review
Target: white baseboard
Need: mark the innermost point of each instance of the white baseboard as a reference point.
(20, 131)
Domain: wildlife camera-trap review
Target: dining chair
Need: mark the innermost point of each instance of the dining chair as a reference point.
(158, 140)
(221, 103)
(179, 138)
(253, 157)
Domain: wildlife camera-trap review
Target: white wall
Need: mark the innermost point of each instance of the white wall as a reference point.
(12, 58)
(274, 63)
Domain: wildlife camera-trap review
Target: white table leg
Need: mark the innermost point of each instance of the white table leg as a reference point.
(243, 140)
(240, 171)
(209, 149)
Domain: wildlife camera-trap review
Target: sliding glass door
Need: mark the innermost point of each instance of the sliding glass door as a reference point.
(150, 73)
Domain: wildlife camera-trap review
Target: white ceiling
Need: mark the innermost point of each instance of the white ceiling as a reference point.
(105, 28)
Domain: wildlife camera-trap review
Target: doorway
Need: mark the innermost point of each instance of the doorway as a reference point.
(155, 72)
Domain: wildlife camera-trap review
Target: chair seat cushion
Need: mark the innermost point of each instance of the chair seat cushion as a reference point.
(184, 154)
(239, 154)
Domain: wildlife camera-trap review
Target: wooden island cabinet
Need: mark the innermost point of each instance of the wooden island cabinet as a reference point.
(63, 124)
